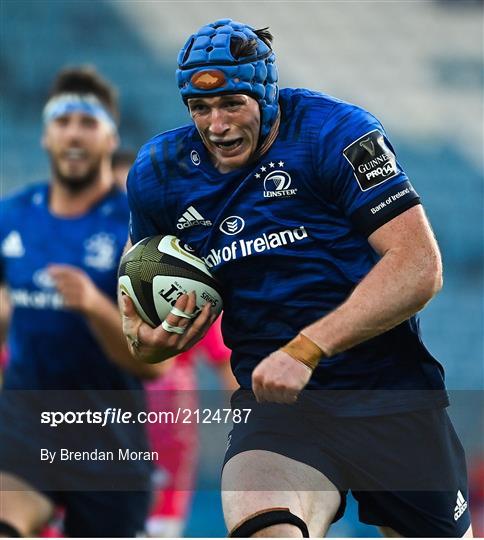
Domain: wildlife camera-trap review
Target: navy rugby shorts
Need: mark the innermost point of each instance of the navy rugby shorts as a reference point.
(407, 470)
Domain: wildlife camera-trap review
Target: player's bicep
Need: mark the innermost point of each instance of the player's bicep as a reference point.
(410, 238)
(409, 229)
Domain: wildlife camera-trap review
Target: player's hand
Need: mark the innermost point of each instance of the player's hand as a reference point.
(279, 378)
(154, 345)
(76, 287)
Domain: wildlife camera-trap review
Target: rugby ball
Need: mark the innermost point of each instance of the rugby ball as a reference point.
(157, 270)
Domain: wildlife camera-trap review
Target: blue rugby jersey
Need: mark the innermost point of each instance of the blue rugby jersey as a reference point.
(51, 347)
(286, 236)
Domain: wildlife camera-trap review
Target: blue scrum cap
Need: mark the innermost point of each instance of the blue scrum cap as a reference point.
(206, 67)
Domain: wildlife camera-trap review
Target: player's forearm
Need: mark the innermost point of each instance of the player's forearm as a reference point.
(394, 290)
(105, 323)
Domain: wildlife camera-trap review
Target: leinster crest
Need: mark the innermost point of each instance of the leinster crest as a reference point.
(100, 251)
(276, 181)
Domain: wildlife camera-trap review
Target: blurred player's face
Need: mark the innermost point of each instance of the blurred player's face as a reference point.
(229, 126)
(77, 143)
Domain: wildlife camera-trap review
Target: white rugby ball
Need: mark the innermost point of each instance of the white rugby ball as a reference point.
(157, 270)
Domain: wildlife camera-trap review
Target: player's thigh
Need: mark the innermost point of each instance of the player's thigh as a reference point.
(257, 480)
(23, 507)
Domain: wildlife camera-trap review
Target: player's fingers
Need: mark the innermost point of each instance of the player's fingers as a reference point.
(287, 396)
(63, 272)
(191, 303)
(257, 386)
(183, 304)
(181, 318)
(131, 321)
(127, 306)
(272, 395)
(199, 327)
(276, 390)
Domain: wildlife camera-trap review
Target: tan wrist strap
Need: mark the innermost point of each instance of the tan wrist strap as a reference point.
(306, 351)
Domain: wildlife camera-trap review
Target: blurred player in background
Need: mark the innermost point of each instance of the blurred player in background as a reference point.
(325, 256)
(60, 244)
(174, 477)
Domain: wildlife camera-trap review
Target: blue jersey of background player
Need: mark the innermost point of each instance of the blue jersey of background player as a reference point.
(60, 243)
(51, 345)
(298, 205)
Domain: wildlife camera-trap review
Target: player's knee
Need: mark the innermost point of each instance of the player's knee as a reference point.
(7, 530)
(273, 523)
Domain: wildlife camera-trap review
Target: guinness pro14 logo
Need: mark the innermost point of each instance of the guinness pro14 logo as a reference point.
(371, 160)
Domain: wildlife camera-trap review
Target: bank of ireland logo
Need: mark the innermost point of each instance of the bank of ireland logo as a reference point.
(195, 157)
(188, 248)
(232, 225)
(276, 181)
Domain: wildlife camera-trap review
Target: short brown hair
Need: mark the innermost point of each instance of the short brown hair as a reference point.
(86, 80)
(240, 48)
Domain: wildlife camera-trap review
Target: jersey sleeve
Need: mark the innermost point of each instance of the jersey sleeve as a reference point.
(359, 170)
(145, 197)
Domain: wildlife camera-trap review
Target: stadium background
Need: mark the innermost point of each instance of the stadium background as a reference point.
(417, 65)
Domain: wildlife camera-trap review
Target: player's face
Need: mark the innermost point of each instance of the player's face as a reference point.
(77, 143)
(229, 126)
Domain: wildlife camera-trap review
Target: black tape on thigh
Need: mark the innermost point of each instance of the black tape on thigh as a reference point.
(266, 518)
(9, 530)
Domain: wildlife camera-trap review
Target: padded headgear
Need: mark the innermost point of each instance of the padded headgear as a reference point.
(206, 67)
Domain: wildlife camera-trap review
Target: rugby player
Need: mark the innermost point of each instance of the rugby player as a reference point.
(60, 244)
(297, 204)
(174, 475)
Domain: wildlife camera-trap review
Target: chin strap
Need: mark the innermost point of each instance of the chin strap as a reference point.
(271, 137)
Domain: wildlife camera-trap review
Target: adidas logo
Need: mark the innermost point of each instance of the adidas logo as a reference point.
(460, 507)
(12, 245)
(190, 218)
